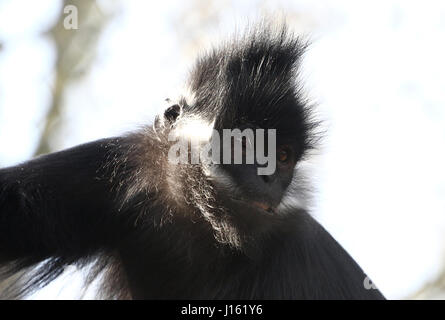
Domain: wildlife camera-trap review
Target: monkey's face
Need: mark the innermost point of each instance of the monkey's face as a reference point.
(249, 166)
(259, 184)
(248, 88)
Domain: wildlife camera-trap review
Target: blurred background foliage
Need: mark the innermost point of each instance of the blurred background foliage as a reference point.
(375, 69)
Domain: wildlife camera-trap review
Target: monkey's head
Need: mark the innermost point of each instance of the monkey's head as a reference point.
(245, 97)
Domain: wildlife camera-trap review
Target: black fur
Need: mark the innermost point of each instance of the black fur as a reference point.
(156, 230)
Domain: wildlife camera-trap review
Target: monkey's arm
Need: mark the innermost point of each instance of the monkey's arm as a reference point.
(59, 205)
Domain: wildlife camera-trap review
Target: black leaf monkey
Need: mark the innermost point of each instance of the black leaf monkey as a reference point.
(150, 228)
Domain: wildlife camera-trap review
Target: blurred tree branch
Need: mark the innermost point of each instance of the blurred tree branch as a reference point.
(75, 53)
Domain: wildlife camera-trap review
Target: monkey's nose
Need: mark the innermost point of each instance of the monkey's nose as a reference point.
(268, 179)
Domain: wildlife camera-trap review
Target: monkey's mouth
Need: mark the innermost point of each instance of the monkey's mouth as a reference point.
(263, 206)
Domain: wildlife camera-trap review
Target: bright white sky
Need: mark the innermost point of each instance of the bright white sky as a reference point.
(375, 68)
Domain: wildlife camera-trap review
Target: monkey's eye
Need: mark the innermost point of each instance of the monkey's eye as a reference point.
(283, 154)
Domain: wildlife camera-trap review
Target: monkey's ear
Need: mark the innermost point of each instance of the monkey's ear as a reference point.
(172, 113)
(169, 117)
